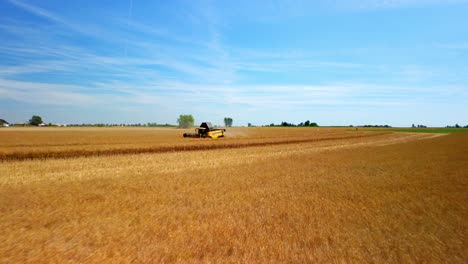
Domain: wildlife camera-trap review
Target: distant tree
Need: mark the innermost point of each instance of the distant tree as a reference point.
(35, 120)
(314, 124)
(3, 121)
(185, 121)
(249, 124)
(286, 124)
(228, 121)
(307, 123)
(457, 126)
(413, 126)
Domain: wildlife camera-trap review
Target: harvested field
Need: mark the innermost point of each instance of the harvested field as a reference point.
(21, 144)
(303, 195)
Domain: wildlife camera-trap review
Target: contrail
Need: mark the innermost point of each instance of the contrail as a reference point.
(128, 24)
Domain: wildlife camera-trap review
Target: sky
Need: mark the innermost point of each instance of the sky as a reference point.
(334, 62)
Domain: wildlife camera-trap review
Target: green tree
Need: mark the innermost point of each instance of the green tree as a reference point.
(228, 121)
(3, 121)
(35, 120)
(185, 121)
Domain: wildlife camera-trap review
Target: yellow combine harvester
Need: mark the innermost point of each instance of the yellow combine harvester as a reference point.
(206, 130)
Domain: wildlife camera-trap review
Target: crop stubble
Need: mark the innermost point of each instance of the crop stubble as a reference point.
(388, 198)
(83, 142)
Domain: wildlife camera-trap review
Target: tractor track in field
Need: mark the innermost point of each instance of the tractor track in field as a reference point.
(66, 154)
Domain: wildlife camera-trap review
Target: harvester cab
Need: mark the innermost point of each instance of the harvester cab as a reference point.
(206, 129)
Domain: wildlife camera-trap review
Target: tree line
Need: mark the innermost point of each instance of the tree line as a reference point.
(187, 121)
(302, 124)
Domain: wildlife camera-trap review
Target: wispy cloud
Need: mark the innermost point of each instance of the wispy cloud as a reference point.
(38, 12)
(139, 27)
(44, 93)
(254, 95)
(67, 27)
(214, 63)
(50, 16)
(120, 60)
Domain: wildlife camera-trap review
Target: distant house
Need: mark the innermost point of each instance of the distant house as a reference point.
(42, 124)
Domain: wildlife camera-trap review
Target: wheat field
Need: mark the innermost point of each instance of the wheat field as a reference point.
(260, 195)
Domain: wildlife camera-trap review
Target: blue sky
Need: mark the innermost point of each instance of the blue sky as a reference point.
(340, 62)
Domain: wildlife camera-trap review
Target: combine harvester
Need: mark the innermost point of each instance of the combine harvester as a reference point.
(206, 130)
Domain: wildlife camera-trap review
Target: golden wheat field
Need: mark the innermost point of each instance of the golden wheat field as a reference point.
(260, 195)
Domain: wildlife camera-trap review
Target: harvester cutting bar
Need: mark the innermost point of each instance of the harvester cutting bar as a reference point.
(191, 135)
